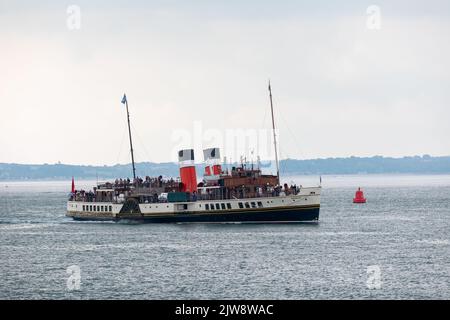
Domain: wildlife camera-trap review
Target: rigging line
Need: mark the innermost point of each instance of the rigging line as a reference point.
(142, 144)
(296, 143)
(282, 152)
(264, 118)
(144, 165)
(282, 164)
(121, 144)
(263, 126)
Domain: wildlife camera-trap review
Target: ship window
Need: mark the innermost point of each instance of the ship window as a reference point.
(84, 208)
(247, 205)
(240, 205)
(212, 206)
(260, 204)
(101, 208)
(90, 208)
(217, 206)
(95, 208)
(110, 208)
(253, 205)
(228, 205)
(207, 206)
(98, 208)
(223, 206)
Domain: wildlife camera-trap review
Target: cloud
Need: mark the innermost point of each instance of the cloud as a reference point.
(339, 88)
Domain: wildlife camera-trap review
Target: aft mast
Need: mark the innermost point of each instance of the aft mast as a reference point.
(274, 135)
(125, 101)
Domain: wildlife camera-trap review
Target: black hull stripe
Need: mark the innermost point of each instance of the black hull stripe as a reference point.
(234, 211)
(280, 216)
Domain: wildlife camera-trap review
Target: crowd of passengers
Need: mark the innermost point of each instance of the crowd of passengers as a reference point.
(211, 194)
(82, 195)
(147, 182)
(125, 184)
(246, 192)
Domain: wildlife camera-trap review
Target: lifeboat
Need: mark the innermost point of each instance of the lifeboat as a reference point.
(359, 197)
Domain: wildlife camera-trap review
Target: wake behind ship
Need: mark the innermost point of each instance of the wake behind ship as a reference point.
(240, 195)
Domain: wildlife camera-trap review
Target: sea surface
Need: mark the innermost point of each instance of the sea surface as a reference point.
(396, 246)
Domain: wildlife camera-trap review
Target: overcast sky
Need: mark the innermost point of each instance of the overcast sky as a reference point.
(196, 71)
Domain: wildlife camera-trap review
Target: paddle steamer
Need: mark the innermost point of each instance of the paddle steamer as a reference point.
(242, 194)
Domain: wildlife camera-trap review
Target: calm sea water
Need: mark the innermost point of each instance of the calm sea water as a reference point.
(396, 247)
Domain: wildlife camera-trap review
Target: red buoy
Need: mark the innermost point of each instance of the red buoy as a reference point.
(359, 197)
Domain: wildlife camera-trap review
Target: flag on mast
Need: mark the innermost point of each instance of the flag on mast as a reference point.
(124, 99)
(73, 185)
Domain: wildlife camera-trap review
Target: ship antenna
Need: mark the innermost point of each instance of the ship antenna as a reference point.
(125, 101)
(274, 134)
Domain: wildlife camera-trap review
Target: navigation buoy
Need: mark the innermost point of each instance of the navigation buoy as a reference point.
(359, 197)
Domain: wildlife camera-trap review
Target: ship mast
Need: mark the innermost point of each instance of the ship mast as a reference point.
(125, 101)
(274, 135)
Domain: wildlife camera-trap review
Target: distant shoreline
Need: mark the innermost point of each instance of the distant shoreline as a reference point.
(417, 165)
(324, 176)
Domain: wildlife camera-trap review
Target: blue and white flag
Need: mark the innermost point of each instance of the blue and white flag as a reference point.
(124, 99)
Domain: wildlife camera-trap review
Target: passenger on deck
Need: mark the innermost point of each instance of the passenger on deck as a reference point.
(160, 182)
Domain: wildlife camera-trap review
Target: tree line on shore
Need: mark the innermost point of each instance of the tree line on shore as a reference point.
(352, 165)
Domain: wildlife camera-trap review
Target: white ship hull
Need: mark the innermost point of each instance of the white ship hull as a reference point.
(301, 207)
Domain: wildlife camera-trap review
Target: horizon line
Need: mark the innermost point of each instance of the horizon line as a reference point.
(234, 162)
